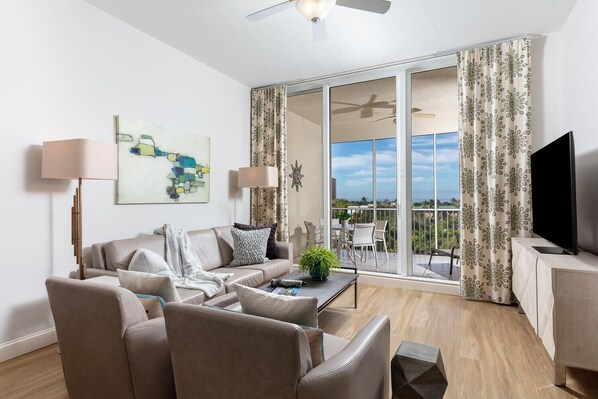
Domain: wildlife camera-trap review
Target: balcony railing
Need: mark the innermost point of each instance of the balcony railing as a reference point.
(430, 228)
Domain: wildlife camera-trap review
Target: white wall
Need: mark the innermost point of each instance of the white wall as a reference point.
(564, 99)
(304, 145)
(65, 69)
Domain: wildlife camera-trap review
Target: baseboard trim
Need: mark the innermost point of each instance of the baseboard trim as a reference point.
(411, 283)
(26, 344)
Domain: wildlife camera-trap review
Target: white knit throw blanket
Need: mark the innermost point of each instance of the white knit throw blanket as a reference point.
(185, 266)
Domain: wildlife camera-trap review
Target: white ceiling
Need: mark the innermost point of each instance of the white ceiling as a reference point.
(281, 47)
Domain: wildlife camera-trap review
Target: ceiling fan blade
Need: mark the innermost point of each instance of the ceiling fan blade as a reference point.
(345, 110)
(266, 12)
(343, 103)
(380, 104)
(320, 31)
(377, 6)
(423, 115)
(386, 117)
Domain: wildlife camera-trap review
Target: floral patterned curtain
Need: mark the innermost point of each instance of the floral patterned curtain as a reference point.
(495, 149)
(269, 148)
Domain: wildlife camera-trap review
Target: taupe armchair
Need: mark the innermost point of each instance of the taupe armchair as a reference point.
(225, 354)
(109, 348)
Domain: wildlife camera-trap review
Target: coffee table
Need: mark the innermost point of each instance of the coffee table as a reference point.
(325, 291)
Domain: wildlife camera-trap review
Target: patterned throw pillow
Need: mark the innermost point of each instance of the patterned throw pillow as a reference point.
(249, 246)
(271, 250)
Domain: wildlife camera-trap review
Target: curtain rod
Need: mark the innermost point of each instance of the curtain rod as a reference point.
(437, 54)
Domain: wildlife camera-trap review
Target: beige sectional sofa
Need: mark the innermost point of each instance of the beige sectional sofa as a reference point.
(214, 247)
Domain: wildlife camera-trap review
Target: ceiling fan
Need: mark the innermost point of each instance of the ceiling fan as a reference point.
(316, 10)
(415, 113)
(366, 110)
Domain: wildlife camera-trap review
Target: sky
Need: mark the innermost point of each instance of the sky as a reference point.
(352, 167)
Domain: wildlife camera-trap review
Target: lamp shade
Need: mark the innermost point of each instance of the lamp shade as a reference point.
(314, 10)
(258, 176)
(79, 158)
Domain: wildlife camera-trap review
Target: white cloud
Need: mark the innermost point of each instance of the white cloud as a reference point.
(358, 182)
(421, 179)
(352, 161)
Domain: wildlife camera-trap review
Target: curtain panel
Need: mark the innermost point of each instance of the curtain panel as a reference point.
(495, 149)
(269, 148)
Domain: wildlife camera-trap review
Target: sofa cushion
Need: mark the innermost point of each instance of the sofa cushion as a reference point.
(194, 297)
(225, 242)
(272, 269)
(333, 345)
(120, 252)
(248, 277)
(149, 284)
(292, 309)
(271, 250)
(249, 247)
(206, 246)
(152, 306)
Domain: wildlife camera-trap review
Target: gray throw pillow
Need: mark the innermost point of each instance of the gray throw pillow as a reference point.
(149, 284)
(147, 261)
(292, 309)
(249, 247)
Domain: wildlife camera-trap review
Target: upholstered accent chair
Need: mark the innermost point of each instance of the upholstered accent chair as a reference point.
(220, 353)
(108, 346)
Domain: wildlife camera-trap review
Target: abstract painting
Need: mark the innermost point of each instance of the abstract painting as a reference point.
(159, 165)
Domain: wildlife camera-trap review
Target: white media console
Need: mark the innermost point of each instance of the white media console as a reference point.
(559, 295)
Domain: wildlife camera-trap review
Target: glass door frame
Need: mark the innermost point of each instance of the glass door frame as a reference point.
(402, 74)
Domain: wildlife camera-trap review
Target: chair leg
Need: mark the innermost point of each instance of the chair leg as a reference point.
(431, 254)
(385, 249)
(375, 256)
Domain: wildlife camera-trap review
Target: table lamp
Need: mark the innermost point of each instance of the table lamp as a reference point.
(79, 159)
(257, 177)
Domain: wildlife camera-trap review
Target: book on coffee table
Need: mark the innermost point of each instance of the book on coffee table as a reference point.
(292, 291)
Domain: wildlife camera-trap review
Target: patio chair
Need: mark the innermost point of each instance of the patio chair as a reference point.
(363, 237)
(454, 253)
(380, 234)
(314, 234)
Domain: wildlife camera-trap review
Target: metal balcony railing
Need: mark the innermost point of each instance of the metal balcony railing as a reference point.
(430, 228)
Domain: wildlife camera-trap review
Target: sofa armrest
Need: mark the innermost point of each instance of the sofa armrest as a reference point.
(359, 371)
(285, 250)
(93, 272)
(149, 359)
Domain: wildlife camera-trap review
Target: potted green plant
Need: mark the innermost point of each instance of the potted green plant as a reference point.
(319, 262)
(344, 218)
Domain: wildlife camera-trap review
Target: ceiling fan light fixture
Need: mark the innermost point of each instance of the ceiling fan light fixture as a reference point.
(314, 10)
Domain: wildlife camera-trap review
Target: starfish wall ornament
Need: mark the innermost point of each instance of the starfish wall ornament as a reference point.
(296, 176)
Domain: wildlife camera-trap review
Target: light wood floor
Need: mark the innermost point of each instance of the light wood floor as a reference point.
(489, 351)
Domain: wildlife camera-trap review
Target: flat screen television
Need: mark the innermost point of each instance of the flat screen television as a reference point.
(554, 210)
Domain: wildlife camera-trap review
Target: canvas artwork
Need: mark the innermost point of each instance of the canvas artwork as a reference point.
(158, 165)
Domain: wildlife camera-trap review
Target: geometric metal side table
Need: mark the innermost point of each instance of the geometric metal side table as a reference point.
(417, 372)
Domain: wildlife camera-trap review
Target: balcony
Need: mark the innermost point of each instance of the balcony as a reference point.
(430, 228)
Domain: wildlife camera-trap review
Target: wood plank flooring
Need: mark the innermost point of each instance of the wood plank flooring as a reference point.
(489, 351)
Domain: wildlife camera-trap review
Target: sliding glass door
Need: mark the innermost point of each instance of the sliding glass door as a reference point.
(435, 174)
(364, 165)
(388, 147)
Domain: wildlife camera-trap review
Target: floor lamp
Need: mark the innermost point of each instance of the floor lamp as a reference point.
(79, 159)
(258, 177)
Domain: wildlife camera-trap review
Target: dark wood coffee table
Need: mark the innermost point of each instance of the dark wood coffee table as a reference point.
(325, 291)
